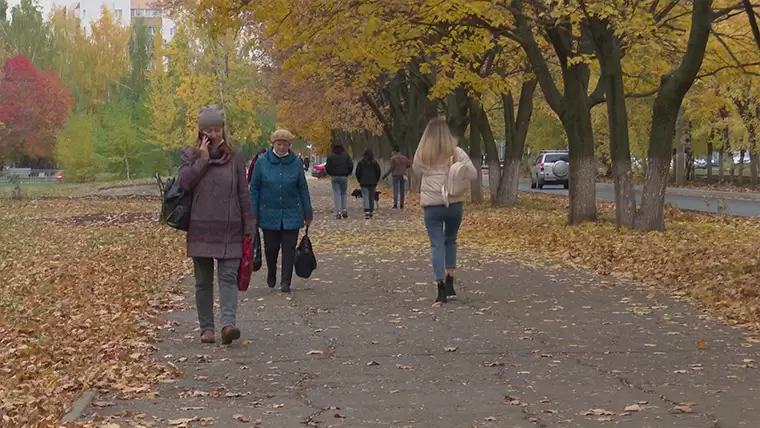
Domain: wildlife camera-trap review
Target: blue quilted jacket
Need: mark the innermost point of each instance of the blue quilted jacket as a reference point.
(279, 193)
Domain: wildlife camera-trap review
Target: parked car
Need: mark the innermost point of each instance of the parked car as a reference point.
(551, 167)
(318, 171)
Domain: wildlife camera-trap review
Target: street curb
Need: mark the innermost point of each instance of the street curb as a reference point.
(79, 406)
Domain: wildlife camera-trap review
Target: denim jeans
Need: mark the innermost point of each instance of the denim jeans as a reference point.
(442, 226)
(368, 195)
(340, 188)
(398, 190)
(204, 290)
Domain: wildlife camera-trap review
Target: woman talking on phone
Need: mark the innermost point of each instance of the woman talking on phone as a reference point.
(214, 171)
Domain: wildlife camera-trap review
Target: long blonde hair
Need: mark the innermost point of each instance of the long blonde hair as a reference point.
(437, 145)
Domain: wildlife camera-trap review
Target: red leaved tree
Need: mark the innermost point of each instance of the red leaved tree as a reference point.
(33, 106)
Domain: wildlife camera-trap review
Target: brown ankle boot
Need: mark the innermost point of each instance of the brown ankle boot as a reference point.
(208, 336)
(230, 333)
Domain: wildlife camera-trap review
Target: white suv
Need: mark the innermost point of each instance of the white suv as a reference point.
(551, 167)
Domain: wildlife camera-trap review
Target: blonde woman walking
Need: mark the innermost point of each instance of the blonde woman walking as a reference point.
(433, 161)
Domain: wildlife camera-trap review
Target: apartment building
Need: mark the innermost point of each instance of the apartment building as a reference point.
(125, 12)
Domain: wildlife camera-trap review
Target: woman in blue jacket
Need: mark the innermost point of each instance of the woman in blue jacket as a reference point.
(281, 205)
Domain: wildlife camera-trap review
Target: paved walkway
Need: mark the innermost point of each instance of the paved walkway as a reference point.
(360, 345)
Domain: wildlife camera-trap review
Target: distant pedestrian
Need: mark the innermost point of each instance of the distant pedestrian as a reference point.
(433, 161)
(368, 175)
(397, 170)
(214, 170)
(306, 163)
(281, 205)
(339, 166)
(253, 163)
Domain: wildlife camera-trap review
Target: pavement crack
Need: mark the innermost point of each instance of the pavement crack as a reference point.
(627, 382)
(300, 392)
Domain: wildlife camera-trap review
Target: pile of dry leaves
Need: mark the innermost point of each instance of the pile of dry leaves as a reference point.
(82, 284)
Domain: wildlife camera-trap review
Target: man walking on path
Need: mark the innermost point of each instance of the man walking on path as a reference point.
(397, 170)
(339, 166)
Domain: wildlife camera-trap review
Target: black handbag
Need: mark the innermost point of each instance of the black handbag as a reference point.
(177, 203)
(305, 262)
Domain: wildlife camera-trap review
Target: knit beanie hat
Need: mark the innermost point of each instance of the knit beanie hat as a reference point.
(209, 116)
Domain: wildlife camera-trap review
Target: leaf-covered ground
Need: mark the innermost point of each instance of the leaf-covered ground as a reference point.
(84, 280)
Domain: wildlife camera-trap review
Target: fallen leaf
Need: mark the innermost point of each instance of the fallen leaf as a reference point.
(241, 418)
(373, 363)
(278, 406)
(181, 421)
(632, 408)
(450, 349)
(512, 400)
(700, 344)
(403, 367)
(598, 412)
(490, 419)
(314, 353)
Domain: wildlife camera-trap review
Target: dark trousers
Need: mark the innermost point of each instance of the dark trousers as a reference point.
(274, 240)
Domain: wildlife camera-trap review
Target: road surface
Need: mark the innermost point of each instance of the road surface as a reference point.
(737, 204)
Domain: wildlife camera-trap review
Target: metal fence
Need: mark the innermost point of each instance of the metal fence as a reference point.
(29, 175)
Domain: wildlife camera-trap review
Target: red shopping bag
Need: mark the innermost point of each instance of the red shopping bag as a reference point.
(245, 270)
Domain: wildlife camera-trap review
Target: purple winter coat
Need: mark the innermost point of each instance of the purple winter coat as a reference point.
(221, 211)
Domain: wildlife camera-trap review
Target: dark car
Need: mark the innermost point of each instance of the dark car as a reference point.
(318, 171)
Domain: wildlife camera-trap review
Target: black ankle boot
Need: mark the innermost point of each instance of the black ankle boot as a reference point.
(441, 293)
(271, 281)
(450, 286)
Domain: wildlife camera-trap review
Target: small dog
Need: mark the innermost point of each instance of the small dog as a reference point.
(357, 193)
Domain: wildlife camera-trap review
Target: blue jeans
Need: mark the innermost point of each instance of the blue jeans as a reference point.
(340, 188)
(442, 226)
(368, 195)
(398, 190)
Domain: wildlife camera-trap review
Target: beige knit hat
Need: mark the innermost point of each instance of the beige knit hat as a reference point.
(209, 116)
(281, 134)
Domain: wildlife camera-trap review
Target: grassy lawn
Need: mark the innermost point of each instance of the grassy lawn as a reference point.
(37, 189)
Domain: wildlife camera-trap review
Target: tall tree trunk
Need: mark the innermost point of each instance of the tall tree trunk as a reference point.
(740, 177)
(608, 48)
(673, 88)
(680, 160)
(479, 119)
(722, 154)
(752, 139)
(515, 132)
(576, 119)
(572, 107)
(710, 154)
(476, 187)
(688, 152)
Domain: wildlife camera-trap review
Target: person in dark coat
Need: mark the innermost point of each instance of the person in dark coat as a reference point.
(214, 171)
(281, 205)
(368, 175)
(339, 166)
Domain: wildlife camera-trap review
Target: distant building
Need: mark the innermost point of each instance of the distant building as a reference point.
(125, 12)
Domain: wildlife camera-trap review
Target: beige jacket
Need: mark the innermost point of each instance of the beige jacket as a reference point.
(434, 179)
